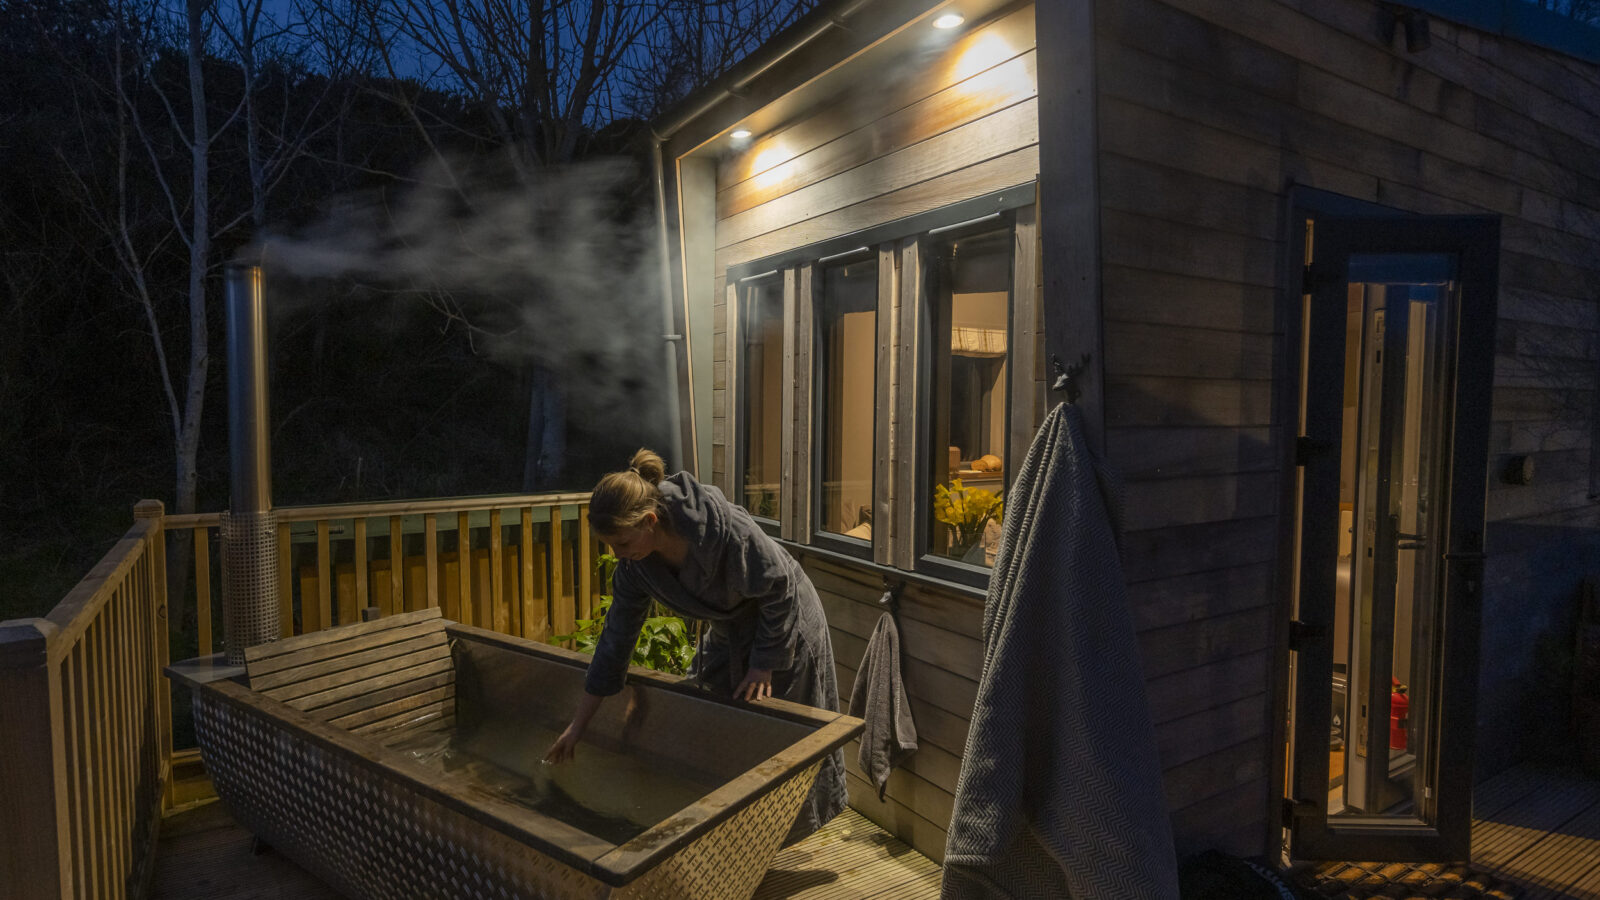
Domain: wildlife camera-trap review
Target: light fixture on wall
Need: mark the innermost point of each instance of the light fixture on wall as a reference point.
(740, 134)
(948, 20)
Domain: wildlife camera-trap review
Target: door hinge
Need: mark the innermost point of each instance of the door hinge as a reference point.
(1306, 448)
(1300, 633)
(1298, 809)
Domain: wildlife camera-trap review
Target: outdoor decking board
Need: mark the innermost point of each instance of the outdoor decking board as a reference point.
(850, 859)
(1540, 828)
(205, 855)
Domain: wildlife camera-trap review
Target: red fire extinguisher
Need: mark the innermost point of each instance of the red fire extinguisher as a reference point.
(1399, 706)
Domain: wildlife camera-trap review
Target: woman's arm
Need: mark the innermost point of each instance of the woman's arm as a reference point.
(765, 580)
(566, 745)
(608, 671)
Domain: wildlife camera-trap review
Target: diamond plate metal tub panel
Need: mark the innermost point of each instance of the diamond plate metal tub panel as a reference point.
(373, 823)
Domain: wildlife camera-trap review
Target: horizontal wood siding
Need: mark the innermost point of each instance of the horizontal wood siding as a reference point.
(958, 122)
(941, 658)
(1208, 111)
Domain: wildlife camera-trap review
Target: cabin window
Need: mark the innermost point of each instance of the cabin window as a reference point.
(761, 394)
(967, 416)
(846, 394)
(880, 381)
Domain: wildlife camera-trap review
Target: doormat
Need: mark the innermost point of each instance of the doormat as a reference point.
(1401, 881)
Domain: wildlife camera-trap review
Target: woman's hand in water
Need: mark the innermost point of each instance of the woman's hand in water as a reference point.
(757, 685)
(562, 750)
(565, 747)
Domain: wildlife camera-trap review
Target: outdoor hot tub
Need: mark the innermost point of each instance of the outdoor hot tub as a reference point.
(402, 758)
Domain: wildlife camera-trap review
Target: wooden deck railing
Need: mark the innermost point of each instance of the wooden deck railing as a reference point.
(84, 729)
(528, 571)
(86, 741)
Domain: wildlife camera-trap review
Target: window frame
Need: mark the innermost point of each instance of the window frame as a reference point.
(941, 567)
(901, 416)
(838, 543)
(738, 414)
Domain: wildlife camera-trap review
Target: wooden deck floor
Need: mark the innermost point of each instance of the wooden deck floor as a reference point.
(1536, 834)
(206, 855)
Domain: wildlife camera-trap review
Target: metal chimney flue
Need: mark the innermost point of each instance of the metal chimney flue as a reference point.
(249, 527)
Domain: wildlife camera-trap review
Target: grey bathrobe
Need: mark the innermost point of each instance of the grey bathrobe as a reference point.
(762, 610)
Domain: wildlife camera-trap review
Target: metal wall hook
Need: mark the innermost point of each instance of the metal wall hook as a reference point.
(1067, 377)
(891, 596)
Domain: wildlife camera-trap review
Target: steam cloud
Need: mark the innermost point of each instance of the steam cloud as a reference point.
(554, 267)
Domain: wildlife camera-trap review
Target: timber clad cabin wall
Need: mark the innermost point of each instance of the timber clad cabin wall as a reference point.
(959, 124)
(1208, 111)
(963, 123)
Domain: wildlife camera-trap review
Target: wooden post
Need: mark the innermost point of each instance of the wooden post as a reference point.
(430, 556)
(160, 640)
(585, 564)
(464, 567)
(562, 612)
(285, 582)
(362, 563)
(498, 614)
(530, 622)
(397, 565)
(34, 860)
(324, 578)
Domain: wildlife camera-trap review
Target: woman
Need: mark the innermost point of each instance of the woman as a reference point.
(683, 543)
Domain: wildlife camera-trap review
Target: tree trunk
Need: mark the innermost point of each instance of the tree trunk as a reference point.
(188, 429)
(547, 432)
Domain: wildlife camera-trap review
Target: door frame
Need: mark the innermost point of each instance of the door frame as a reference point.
(1463, 526)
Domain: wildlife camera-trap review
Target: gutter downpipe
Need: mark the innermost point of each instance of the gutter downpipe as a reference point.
(671, 337)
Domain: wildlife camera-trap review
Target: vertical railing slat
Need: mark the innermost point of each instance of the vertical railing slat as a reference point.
(89, 845)
(496, 593)
(530, 621)
(102, 740)
(585, 571)
(361, 601)
(430, 555)
(285, 584)
(202, 586)
(70, 679)
(122, 749)
(561, 606)
(464, 567)
(324, 577)
(397, 568)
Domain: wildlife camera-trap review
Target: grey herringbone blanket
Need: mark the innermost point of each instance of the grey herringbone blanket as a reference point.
(1060, 789)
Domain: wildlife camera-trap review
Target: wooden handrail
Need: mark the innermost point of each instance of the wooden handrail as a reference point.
(391, 508)
(86, 728)
(73, 615)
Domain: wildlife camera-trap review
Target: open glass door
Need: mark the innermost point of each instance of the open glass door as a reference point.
(1399, 323)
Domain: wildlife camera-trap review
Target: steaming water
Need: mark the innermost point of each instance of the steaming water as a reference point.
(610, 795)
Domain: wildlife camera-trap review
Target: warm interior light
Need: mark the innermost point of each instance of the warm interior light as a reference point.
(948, 20)
(740, 134)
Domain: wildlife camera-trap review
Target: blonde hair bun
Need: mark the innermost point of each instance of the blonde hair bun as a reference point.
(649, 464)
(622, 499)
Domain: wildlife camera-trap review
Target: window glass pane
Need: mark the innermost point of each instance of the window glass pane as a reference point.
(847, 351)
(970, 323)
(761, 360)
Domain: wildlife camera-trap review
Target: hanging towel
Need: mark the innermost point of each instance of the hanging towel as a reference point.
(1060, 789)
(879, 698)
